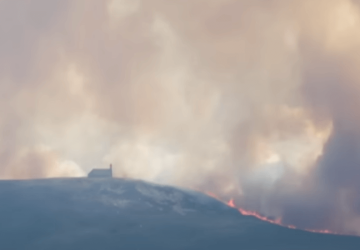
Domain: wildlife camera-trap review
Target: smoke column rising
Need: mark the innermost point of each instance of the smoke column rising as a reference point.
(251, 100)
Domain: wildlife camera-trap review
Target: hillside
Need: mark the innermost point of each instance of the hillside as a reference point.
(114, 214)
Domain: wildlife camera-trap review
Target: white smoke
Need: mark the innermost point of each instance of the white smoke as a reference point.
(246, 99)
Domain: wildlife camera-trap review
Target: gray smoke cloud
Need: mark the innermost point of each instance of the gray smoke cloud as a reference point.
(251, 100)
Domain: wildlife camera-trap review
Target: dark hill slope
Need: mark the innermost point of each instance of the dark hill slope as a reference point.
(106, 214)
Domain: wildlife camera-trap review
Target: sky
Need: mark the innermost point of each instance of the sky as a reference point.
(255, 100)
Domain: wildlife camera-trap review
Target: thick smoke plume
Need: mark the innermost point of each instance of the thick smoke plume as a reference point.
(254, 100)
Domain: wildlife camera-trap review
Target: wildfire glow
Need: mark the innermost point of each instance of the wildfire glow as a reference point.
(231, 203)
(255, 214)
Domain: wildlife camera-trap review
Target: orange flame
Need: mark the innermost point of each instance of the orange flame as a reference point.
(212, 195)
(255, 214)
(231, 203)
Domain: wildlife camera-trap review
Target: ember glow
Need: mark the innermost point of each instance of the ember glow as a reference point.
(253, 213)
(231, 203)
(244, 212)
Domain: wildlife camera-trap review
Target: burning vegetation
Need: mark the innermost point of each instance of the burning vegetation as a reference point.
(231, 203)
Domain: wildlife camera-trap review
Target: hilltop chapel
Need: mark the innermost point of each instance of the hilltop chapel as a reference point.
(101, 173)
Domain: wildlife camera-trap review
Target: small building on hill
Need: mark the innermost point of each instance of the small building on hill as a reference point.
(101, 173)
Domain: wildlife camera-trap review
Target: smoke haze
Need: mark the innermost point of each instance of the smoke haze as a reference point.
(254, 100)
